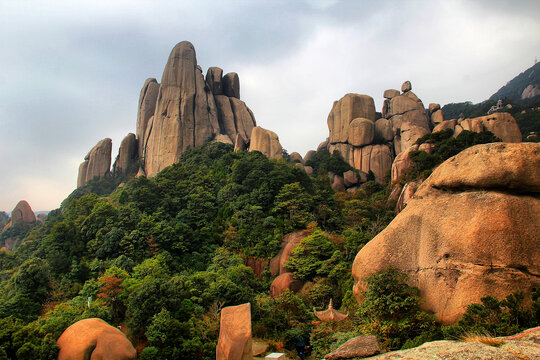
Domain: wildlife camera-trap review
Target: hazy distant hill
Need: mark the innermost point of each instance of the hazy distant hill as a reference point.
(514, 89)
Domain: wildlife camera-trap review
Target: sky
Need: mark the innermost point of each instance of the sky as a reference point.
(72, 71)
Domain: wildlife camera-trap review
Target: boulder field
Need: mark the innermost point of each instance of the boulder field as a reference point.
(470, 230)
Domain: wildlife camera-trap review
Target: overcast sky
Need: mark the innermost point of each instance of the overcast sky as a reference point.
(71, 71)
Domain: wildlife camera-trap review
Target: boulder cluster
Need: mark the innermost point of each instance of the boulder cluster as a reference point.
(183, 111)
(371, 144)
(21, 213)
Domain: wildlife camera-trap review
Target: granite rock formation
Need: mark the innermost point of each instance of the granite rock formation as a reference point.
(357, 347)
(189, 110)
(267, 142)
(370, 144)
(234, 341)
(183, 111)
(489, 244)
(501, 124)
(96, 164)
(127, 161)
(22, 212)
(94, 339)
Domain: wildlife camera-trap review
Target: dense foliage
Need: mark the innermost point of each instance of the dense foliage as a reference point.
(162, 256)
(445, 146)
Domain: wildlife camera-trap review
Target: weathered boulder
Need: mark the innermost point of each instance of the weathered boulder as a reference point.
(309, 155)
(357, 347)
(344, 111)
(383, 130)
(127, 161)
(410, 133)
(409, 189)
(267, 142)
(447, 124)
(231, 85)
(361, 132)
(289, 243)
(234, 341)
(406, 86)
(213, 79)
(502, 125)
(285, 281)
(94, 339)
(147, 107)
(433, 107)
(522, 346)
(296, 158)
(22, 212)
(226, 119)
(97, 163)
(489, 244)
(437, 117)
(222, 138)
(390, 93)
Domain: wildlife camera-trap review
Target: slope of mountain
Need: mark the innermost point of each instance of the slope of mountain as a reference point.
(524, 88)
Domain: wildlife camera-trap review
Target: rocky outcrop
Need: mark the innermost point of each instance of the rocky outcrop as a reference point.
(489, 244)
(147, 107)
(435, 114)
(96, 164)
(234, 341)
(22, 212)
(285, 281)
(358, 347)
(518, 347)
(94, 339)
(501, 124)
(127, 161)
(267, 142)
(296, 158)
(370, 145)
(289, 243)
(403, 162)
(409, 189)
(186, 110)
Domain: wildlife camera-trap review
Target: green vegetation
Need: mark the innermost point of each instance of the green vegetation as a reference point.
(445, 146)
(162, 256)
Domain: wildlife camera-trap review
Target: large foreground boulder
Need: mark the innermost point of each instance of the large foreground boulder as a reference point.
(94, 339)
(234, 341)
(518, 347)
(470, 230)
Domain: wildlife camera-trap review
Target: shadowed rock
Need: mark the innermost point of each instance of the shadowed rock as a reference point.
(127, 156)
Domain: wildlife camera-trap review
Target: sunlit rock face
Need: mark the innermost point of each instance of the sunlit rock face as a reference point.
(470, 230)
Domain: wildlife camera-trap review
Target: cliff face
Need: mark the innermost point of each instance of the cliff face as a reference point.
(183, 111)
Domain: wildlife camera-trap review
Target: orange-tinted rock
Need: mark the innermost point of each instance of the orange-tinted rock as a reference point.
(502, 125)
(390, 93)
(22, 212)
(344, 111)
(406, 86)
(283, 282)
(437, 117)
(358, 347)
(323, 145)
(361, 132)
(94, 339)
(350, 178)
(296, 158)
(383, 130)
(409, 189)
(447, 124)
(289, 243)
(433, 107)
(309, 155)
(267, 142)
(234, 341)
(258, 265)
(489, 244)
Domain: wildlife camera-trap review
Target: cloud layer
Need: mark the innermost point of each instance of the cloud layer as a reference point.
(72, 70)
